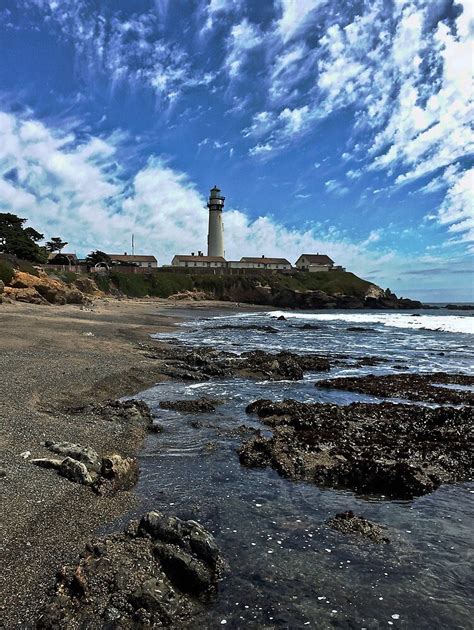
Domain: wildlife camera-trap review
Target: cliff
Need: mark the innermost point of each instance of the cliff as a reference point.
(338, 289)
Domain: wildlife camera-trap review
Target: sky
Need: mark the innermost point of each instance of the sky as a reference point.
(333, 127)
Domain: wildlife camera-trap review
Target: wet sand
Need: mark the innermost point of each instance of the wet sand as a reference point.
(53, 358)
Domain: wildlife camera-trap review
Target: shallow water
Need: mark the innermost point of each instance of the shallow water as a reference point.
(286, 567)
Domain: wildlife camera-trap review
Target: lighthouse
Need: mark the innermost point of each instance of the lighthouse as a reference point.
(215, 237)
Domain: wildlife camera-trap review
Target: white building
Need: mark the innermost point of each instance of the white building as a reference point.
(199, 261)
(248, 262)
(314, 262)
(148, 262)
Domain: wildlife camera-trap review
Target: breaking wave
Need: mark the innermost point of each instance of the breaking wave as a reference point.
(444, 323)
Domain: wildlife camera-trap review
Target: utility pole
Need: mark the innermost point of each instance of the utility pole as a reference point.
(133, 245)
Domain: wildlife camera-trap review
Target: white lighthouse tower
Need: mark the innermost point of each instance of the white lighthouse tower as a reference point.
(215, 237)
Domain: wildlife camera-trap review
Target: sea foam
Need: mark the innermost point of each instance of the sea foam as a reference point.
(444, 323)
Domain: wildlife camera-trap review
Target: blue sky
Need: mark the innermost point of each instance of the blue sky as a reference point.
(337, 127)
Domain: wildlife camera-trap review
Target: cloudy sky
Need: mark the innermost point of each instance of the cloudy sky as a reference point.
(337, 127)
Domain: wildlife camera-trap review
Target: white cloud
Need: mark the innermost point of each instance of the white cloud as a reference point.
(335, 187)
(457, 209)
(132, 52)
(65, 188)
(295, 16)
(243, 38)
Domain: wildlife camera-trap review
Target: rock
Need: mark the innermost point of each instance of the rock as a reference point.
(75, 471)
(396, 450)
(359, 329)
(83, 454)
(266, 329)
(282, 318)
(197, 405)
(2, 286)
(135, 412)
(46, 462)
(28, 295)
(423, 387)
(117, 473)
(188, 535)
(350, 524)
(88, 286)
(186, 572)
(52, 291)
(159, 572)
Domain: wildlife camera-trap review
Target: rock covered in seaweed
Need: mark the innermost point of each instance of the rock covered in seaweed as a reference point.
(353, 525)
(423, 387)
(159, 572)
(401, 451)
(195, 405)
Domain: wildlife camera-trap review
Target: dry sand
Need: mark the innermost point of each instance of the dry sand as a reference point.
(52, 358)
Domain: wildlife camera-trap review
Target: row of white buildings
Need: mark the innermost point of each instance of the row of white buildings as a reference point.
(306, 262)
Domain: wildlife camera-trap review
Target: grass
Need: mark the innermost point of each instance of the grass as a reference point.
(166, 284)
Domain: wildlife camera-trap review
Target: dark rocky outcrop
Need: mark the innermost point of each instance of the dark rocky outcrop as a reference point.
(359, 329)
(396, 450)
(423, 387)
(352, 525)
(197, 405)
(132, 412)
(161, 571)
(204, 363)
(258, 328)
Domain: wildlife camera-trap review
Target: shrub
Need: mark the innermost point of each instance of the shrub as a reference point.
(102, 282)
(6, 271)
(26, 266)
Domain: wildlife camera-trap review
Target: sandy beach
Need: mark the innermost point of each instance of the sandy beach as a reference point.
(53, 358)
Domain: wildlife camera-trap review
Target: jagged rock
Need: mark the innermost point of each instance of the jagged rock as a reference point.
(80, 453)
(47, 462)
(397, 450)
(423, 387)
(87, 286)
(117, 473)
(75, 471)
(53, 291)
(198, 405)
(350, 524)
(2, 286)
(159, 572)
(28, 295)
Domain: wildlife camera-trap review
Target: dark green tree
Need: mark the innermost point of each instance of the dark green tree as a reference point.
(98, 257)
(55, 244)
(19, 241)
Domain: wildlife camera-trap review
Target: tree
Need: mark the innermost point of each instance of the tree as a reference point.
(55, 244)
(19, 241)
(98, 257)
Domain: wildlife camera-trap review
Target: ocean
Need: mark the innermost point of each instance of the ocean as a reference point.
(287, 568)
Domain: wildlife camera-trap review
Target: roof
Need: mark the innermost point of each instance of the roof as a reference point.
(317, 259)
(53, 255)
(273, 261)
(187, 258)
(129, 258)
